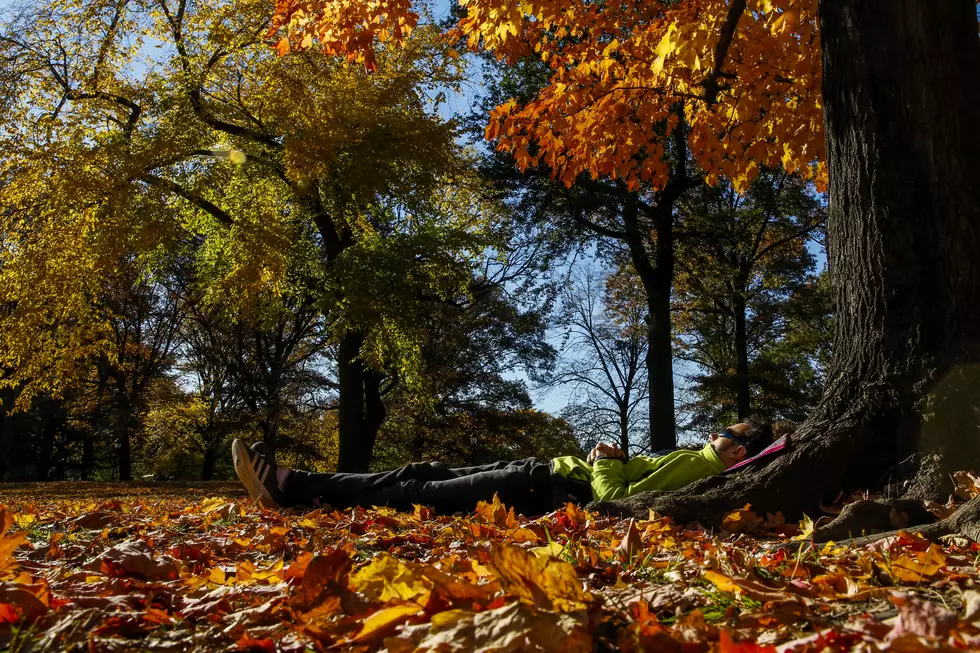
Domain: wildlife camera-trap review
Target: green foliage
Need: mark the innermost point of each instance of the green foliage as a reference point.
(751, 261)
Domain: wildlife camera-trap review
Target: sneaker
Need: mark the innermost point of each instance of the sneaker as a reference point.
(257, 473)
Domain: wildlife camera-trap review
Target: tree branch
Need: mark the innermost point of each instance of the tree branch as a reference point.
(189, 195)
(710, 84)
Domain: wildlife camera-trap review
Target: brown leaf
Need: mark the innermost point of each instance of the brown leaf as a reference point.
(325, 573)
(920, 618)
(631, 542)
(513, 627)
(135, 558)
(31, 601)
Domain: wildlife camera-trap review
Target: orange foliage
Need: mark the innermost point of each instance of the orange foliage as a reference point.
(742, 77)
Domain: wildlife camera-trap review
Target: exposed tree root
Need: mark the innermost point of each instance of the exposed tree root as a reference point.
(866, 516)
(964, 522)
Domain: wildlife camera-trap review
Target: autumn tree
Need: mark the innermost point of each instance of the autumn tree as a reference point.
(116, 148)
(750, 311)
(601, 215)
(760, 82)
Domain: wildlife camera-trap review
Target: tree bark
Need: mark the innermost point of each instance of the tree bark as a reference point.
(362, 411)
(900, 104)
(657, 282)
(743, 394)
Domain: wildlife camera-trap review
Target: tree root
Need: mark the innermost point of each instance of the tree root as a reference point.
(867, 516)
(964, 522)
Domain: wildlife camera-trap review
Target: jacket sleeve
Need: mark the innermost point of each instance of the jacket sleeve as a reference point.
(673, 475)
(608, 480)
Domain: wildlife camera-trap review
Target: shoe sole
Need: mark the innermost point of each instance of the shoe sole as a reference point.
(243, 467)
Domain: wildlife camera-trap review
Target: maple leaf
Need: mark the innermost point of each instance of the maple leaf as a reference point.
(8, 541)
(742, 521)
(386, 578)
(545, 582)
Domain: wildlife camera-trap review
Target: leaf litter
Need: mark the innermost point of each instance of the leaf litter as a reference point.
(184, 571)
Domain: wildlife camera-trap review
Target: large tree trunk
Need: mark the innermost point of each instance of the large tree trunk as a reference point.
(208, 463)
(88, 456)
(901, 100)
(362, 411)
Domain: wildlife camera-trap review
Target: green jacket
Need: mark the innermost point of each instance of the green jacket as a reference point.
(611, 478)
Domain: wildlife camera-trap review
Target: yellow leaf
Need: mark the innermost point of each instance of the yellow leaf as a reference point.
(806, 529)
(915, 568)
(546, 582)
(384, 621)
(217, 575)
(721, 581)
(552, 549)
(386, 578)
(742, 521)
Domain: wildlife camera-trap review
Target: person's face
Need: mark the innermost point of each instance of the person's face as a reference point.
(726, 448)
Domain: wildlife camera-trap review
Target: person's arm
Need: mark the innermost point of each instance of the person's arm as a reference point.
(608, 480)
(673, 474)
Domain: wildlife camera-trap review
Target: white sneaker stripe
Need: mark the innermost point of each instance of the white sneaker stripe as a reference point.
(264, 473)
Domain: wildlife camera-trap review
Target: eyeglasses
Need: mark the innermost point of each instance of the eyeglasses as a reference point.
(734, 437)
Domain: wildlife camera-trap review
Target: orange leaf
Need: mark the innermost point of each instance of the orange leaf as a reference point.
(742, 521)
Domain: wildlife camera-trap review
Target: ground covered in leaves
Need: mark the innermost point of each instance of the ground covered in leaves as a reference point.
(201, 568)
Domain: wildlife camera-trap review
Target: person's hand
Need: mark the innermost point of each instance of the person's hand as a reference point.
(606, 451)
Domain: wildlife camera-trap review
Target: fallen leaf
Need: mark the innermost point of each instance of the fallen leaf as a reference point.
(135, 557)
(383, 622)
(742, 521)
(386, 578)
(545, 582)
(631, 542)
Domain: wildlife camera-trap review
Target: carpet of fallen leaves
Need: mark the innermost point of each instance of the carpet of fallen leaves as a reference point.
(203, 569)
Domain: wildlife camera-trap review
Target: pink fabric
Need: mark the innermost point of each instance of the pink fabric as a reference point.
(772, 449)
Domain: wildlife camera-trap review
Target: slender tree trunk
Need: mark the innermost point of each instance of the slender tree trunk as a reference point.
(88, 456)
(658, 282)
(624, 426)
(374, 412)
(208, 464)
(743, 394)
(900, 104)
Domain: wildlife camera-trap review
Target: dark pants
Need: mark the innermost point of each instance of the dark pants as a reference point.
(524, 485)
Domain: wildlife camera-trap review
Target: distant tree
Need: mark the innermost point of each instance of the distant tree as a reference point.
(473, 406)
(602, 363)
(751, 313)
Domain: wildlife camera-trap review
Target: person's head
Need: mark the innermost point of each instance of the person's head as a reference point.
(739, 441)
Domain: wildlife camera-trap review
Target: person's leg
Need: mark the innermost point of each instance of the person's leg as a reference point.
(340, 489)
(306, 488)
(499, 465)
(526, 488)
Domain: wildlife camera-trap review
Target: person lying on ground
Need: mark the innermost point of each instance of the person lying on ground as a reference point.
(614, 477)
(532, 486)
